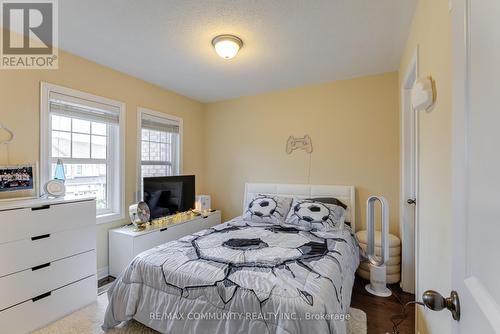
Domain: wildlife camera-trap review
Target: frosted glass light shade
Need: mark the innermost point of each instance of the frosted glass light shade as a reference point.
(227, 46)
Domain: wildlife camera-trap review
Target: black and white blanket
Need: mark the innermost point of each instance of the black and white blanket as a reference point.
(240, 277)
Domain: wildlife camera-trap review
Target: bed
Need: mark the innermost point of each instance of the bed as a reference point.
(245, 277)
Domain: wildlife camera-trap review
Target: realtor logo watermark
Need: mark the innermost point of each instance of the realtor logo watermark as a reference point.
(29, 34)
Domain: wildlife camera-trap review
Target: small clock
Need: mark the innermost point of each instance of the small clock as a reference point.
(139, 214)
(55, 188)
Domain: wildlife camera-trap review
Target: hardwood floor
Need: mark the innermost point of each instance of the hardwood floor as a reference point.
(379, 310)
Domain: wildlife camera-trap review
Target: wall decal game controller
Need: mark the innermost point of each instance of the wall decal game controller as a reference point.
(304, 143)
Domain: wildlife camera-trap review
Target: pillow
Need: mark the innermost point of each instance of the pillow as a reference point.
(332, 200)
(316, 215)
(268, 209)
(329, 200)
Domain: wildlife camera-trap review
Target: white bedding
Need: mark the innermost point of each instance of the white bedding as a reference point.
(240, 277)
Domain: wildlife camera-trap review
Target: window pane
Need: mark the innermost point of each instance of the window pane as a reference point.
(98, 147)
(61, 123)
(163, 152)
(81, 126)
(157, 151)
(145, 134)
(163, 137)
(61, 144)
(154, 151)
(89, 147)
(170, 156)
(81, 146)
(99, 129)
(145, 150)
(155, 170)
(84, 180)
(154, 135)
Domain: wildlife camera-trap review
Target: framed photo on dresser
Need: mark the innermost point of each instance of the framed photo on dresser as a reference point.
(18, 181)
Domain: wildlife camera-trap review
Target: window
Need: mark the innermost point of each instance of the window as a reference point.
(160, 142)
(85, 132)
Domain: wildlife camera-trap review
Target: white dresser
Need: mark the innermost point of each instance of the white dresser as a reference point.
(47, 261)
(125, 243)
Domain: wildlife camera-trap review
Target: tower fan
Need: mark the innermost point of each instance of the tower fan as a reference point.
(378, 279)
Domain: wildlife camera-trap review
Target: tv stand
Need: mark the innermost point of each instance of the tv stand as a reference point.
(126, 242)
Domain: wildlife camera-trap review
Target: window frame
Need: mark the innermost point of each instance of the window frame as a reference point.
(116, 183)
(167, 117)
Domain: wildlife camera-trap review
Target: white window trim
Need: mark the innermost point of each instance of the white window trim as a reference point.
(45, 90)
(142, 111)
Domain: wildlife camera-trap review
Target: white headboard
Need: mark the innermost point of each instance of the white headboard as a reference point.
(346, 194)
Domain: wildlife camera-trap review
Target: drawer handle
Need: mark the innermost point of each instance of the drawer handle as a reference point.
(42, 296)
(40, 266)
(38, 237)
(43, 207)
(163, 229)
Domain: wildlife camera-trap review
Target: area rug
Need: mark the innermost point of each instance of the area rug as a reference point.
(89, 320)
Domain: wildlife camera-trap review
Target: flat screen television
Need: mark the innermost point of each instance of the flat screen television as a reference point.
(168, 195)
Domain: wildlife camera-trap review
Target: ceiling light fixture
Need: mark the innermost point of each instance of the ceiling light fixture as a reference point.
(227, 46)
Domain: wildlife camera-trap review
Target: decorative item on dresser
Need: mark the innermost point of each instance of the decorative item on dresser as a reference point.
(126, 242)
(54, 188)
(48, 261)
(139, 215)
(18, 182)
(203, 203)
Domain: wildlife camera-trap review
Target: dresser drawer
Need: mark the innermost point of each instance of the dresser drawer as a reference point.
(26, 284)
(37, 313)
(212, 219)
(28, 222)
(177, 231)
(148, 241)
(26, 254)
(173, 232)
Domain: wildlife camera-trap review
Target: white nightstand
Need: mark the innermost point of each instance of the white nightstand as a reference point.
(125, 242)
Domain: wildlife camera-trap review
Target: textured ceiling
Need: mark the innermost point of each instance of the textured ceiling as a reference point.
(288, 43)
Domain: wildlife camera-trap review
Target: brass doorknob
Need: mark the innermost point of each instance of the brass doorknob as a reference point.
(436, 302)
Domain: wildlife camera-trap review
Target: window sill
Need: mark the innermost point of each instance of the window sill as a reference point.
(109, 218)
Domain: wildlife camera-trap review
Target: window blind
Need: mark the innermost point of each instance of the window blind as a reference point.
(151, 122)
(69, 106)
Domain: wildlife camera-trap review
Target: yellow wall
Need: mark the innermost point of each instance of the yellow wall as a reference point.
(354, 126)
(19, 110)
(431, 32)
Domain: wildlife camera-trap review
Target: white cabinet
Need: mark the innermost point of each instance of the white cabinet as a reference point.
(47, 261)
(125, 243)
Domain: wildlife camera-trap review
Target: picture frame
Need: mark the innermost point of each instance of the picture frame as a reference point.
(18, 181)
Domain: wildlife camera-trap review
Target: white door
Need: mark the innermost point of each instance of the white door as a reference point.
(476, 176)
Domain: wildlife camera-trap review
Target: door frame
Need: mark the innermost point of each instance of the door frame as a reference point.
(409, 179)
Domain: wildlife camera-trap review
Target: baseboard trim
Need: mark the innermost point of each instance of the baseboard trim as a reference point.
(102, 273)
